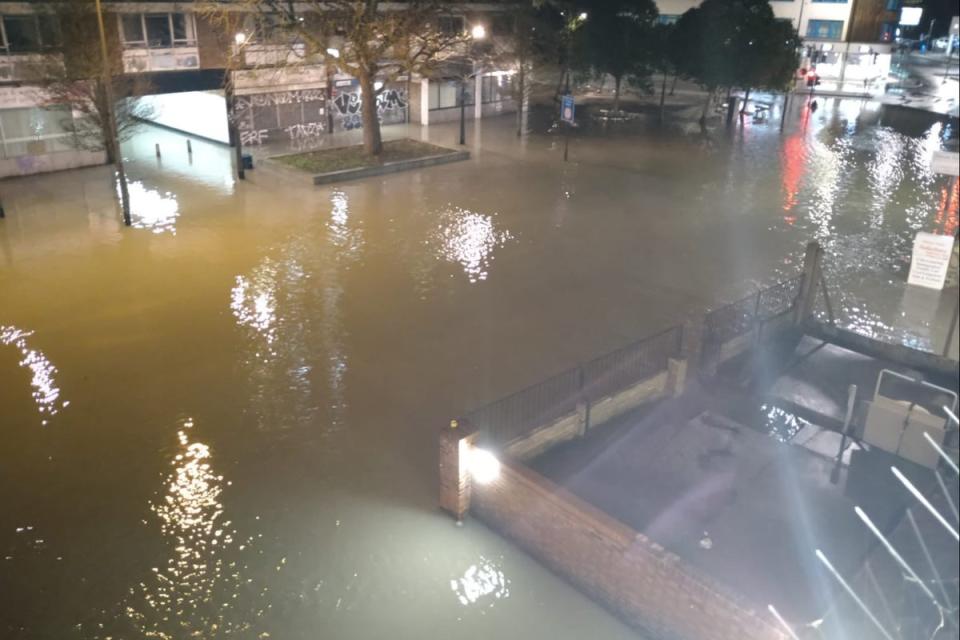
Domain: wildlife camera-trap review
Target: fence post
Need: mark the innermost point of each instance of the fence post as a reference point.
(676, 376)
(157, 146)
(455, 442)
(692, 345)
(583, 403)
(812, 266)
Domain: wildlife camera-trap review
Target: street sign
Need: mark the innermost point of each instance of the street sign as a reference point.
(947, 162)
(931, 258)
(567, 109)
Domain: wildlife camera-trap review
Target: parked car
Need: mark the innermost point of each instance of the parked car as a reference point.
(940, 44)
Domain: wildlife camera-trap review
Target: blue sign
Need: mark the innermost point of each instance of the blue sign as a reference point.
(566, 109)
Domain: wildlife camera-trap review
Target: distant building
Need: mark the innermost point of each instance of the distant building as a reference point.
(847, 42)
(186, 61)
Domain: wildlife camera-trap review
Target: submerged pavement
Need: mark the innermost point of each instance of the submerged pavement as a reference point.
(222, 421)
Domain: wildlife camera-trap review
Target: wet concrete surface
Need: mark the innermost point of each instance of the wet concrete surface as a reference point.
(222, 421)
(742, 506)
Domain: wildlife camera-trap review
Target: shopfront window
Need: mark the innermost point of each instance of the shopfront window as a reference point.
(34, 131)
(496, 88)
(445, 93)
(825, 29)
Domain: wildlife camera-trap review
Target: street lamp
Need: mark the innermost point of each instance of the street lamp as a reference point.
(478, 32)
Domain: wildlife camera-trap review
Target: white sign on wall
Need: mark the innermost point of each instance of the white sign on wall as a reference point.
(947, 162)
(931, 258)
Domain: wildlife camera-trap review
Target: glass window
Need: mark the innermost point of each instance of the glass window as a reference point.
(496, 88)
(158, 30)
(182, 27)
(451, 25)
(49, 31)
(35, 131)
(666, 18)
(132, 26)
(22, 33)
(825, 29)
(893, 5)
(887, 30)
(445, 93)
(834, 1)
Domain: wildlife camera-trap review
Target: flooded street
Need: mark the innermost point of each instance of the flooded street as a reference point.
(222, 423)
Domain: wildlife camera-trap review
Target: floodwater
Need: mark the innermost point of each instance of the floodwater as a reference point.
(222, 422)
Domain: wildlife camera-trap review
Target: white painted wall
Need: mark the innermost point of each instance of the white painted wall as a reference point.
(201, 113)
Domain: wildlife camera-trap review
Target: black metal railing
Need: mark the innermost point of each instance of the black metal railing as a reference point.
(515, 415)
(740, 317)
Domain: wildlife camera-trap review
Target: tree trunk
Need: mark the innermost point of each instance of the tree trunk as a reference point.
(663, 95)
(706, 108)
(673, 86)
(616, 93)
(372, 142)
(520, 97)
(746, 99)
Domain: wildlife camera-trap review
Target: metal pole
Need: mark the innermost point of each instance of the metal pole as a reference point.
(566, 142)
(111, 134)
(463, 111)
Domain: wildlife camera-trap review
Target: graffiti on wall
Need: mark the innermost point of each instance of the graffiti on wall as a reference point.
(301, 114)
(298, 113)
(347, 107)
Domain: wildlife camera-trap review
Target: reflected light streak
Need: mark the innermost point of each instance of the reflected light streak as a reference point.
(481, 580)
(254, 305)
(469, 239)
(193, 595)
(149, 209)
(45, 393)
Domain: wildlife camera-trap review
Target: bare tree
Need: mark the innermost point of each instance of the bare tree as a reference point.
(375, 42)
(75, 79)
(82, 75)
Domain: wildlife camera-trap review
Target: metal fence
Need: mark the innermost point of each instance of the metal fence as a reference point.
(740, 317)
(515, 415)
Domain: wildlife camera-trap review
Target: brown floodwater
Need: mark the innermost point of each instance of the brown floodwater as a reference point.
(221, 422)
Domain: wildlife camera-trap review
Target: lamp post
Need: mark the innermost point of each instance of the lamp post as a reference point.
(477, 33)
(110, 127)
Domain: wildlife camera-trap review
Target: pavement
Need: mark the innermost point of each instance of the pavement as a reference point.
(747, 502)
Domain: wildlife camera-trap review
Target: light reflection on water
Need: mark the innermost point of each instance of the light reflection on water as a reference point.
(196, 593)
(152, 210)
(863, 191)
(482, 583)
(469, 239)
(46, 393)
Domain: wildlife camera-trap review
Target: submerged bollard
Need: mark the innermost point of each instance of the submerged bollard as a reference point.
(158, 149)
(189, 148)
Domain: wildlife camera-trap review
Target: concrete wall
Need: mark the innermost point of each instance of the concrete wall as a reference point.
(650, 588)
(627, 400)
(537, 441)
(199, 113)
(587, 415)
(57, 161)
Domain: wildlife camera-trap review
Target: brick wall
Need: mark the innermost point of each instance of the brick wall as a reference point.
(647, 586)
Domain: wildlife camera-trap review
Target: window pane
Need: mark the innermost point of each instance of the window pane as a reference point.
(132, 28)
(434, 95)
(451, 25)
(49, 31)
(182, 27)
(21, 33)
(158, 30)
(448, 94)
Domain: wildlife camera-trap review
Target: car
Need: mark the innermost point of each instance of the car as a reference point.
(940, 44)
